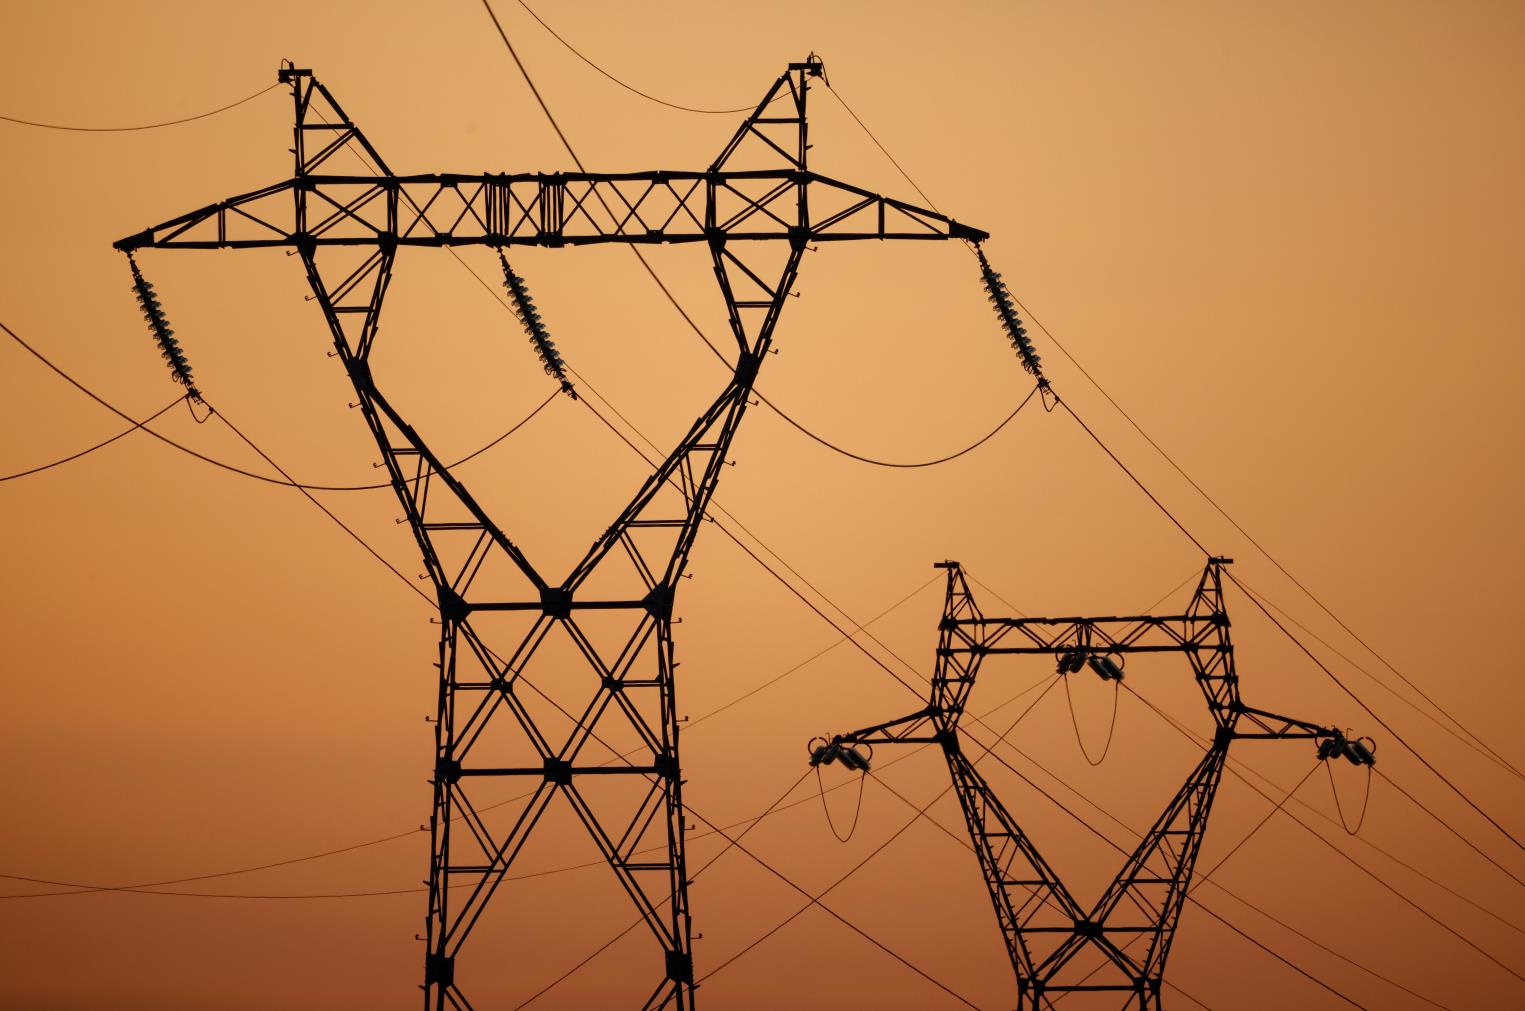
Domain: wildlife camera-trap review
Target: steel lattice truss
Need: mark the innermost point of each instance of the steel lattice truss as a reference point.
(1045, 928)
(608, 623)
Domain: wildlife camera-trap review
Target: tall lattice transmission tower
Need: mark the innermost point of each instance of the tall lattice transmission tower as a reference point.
(756, 207)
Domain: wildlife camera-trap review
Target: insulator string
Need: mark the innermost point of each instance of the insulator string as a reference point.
(158, 323)
(524, 308)
(1005, 308)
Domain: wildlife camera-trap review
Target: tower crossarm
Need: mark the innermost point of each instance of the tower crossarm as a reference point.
(1259, 724)
(546, 209)
(917, 728)
(1142, 633)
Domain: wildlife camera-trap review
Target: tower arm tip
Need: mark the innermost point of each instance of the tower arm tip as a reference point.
(137, 240)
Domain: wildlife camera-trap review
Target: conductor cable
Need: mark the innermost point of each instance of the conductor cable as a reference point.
(144, 126)
(99, 445)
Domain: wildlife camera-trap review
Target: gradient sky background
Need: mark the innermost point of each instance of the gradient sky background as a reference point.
(1286, 239)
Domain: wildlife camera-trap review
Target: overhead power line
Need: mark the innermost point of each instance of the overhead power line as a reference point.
(1419, 710)
(533, 90)
(847, 922)
(148, 887)
(886, 151)
(141, 126)
(628, 87)
(1295, 640)
(1450, 828)
(1380, 721)
(186, 449)
(920, 463)
(920, 812)
(803, 598)
(880, 766)
(720, 357)
(1179, 525)
(731, 843)
(327, 512)
(1266, 553)
(305, 486)
(1398, 892)
(99, 445)
(158, 889)
(684, 313)
(1131, 476)
(286, 481)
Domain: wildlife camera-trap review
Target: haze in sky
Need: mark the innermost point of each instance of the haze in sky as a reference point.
(1285, 240)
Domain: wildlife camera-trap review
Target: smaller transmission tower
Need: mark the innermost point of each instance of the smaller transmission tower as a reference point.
(1044, 927)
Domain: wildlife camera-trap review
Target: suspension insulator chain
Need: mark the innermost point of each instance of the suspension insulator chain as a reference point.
(1006, 309)
(524, 308)
(153, 312)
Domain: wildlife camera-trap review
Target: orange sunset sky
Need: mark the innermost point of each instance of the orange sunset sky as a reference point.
(1285, 238)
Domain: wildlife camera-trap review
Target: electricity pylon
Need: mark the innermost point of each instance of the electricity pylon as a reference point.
(609, 621)
(1044, 927)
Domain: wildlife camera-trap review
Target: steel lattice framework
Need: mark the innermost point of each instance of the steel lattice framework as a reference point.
(757, 207)
(1043, 925)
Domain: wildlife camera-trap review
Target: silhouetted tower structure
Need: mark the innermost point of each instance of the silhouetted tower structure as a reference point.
(757, 208)
(1044, 927)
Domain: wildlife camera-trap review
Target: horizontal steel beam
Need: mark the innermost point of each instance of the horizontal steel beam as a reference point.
(549, 209)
